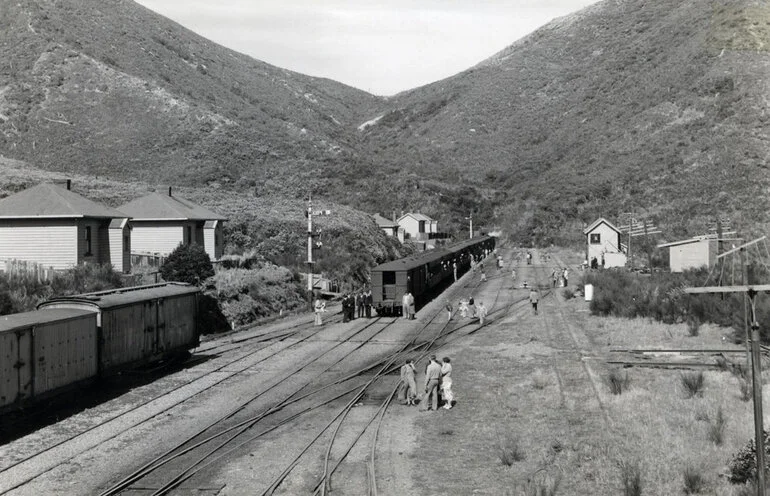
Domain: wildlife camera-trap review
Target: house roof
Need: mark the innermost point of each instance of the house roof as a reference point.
(166, 207)
(383, 222)
(416, 216)
(596, 223)
(52, 201)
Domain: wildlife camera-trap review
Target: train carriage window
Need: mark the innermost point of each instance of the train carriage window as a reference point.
(388, 277)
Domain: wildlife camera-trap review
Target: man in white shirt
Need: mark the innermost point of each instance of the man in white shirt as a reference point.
(432, 376)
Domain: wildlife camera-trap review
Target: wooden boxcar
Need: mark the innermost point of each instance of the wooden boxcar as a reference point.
(45, 351)
(424, 274)
(139, 324)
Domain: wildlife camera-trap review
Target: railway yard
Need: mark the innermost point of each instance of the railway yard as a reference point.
(289, 408)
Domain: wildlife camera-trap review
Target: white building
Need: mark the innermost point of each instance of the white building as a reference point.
(52, 226)
(163, 222)
(417, 226)
(603, 243)
(692, 253)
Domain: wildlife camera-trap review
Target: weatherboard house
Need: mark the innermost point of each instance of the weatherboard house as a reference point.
(693, 253)
(390, 227)
(52, 226)
(603, 243)
(163, 222)
(417, 226)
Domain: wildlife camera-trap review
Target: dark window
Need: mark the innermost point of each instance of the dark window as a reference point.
(421, 227)
(388, 278)
(189, 235)
(596, 239)
(88, 240)
(126, 244)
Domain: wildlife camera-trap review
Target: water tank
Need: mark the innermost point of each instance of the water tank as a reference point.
(589, 292)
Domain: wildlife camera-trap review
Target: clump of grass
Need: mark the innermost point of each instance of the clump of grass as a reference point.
(542, 487)
(694, 482)
(692, 383)
(510, 451)
(568, 293)
(631, 477)
(702, 416)
(746, 391)
(618, 381)
(446, 432)
(716, 428)
(540, 380)
(693, 326)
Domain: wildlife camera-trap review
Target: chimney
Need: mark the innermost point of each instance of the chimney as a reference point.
(394, 216)
(169, 191)
(69, 184)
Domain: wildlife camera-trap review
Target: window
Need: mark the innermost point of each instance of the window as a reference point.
(388, 278)
(596, 239)
(88, 241)
(189, 235)
(421, 226)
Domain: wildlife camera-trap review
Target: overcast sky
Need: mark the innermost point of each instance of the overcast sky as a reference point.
(381, 46)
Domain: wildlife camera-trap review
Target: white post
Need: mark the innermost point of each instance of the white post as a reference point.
(470, 227)
(310, 246)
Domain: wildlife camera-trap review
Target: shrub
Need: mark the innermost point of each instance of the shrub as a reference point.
(86, 278)
(692, 383)
(618, 381)
(631, 477)
(568, 293)
(694, 481)
(510, 451)
(716, 429)
(746, 389)
(187, 263)
(693, 326)
(6, 303)
(743, 465)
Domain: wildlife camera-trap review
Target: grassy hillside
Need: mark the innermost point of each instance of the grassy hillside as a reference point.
(656, 107)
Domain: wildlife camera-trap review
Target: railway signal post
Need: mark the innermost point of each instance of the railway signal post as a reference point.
(309, 213)
(751, 292)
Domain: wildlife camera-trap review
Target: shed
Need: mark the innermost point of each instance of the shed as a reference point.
(603, 243)
(163, 222)
(692, 253)
(390, 227)
(53, 226)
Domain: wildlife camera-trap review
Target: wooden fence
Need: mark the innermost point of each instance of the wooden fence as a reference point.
(22, 268)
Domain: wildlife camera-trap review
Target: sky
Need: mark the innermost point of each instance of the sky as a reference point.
(380, 46)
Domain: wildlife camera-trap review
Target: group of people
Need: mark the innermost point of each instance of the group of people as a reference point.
(407, 306)
(359, 303)
(559, 275)
(438, 382)
(469, 308)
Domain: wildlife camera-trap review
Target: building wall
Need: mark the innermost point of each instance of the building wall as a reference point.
(51, 242)
(410, 225)
(99, 250)
(156, 237)
(609, 242)
(692, 255)
(213, 241)
(120, 251)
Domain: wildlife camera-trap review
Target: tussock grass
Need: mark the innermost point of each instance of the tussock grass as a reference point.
(692, 383)
(693, 326)
(540, 380)
(510, 451)
(631, 477)
(541, 486)
(716, 428)
(618, 381)
(745, 387)
(694, 481)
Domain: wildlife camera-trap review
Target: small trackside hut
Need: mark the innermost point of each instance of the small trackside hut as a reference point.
(425, 275)
(139, 324)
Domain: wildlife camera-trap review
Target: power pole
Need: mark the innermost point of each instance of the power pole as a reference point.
(750, 291)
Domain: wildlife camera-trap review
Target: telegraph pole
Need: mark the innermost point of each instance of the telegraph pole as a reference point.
(751, 292)
(310, 234)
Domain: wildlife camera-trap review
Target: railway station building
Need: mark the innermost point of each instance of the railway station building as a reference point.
(390, 227)
(419, 228)
(692, 253)
(603, 243)
(54, 227)
(161, 222)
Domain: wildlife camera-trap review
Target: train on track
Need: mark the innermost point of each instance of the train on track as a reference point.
(425, 274)
(74, 340)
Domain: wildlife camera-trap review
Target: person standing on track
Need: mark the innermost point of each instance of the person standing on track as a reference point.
(360, 305)
(534, 297)
(555, 276)
(454, 270)
(432, 376)
(481, 311)
(407, 391)
(319, 308)
(566, 276)
(411, 306)
(446, 382)
(405, 305)
(345, 314)
(472, 307)
(368, 303)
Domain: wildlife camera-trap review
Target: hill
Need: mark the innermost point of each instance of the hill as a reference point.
(654, 107)
(110, 88)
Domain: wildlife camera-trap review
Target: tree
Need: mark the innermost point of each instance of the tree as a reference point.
(187, 263)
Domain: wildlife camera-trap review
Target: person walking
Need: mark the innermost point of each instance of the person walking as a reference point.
(360, 304)
(319, 307)
(411, 306)
(472, 307)
(405, 305)
(407, 391)
(481, 311)
(463, 307)
(566, 277)
(446, 382)
(432, 376)
(534, 297)
(454, 270)
(345, 312)
(449, 311)
(368, 303)
(554, 276)
(483, 274)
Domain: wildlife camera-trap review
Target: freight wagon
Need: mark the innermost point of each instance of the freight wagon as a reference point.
(72, 340)
(425, 274)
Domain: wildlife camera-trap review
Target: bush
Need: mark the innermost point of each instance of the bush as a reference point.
(743, 465)
(617, 381)
(568, 293)
(694, 481)
(187, 263)
(631, 477)
(746, 389)
(692, 383)
(693, 326)
(510, 451)
(716, 429)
